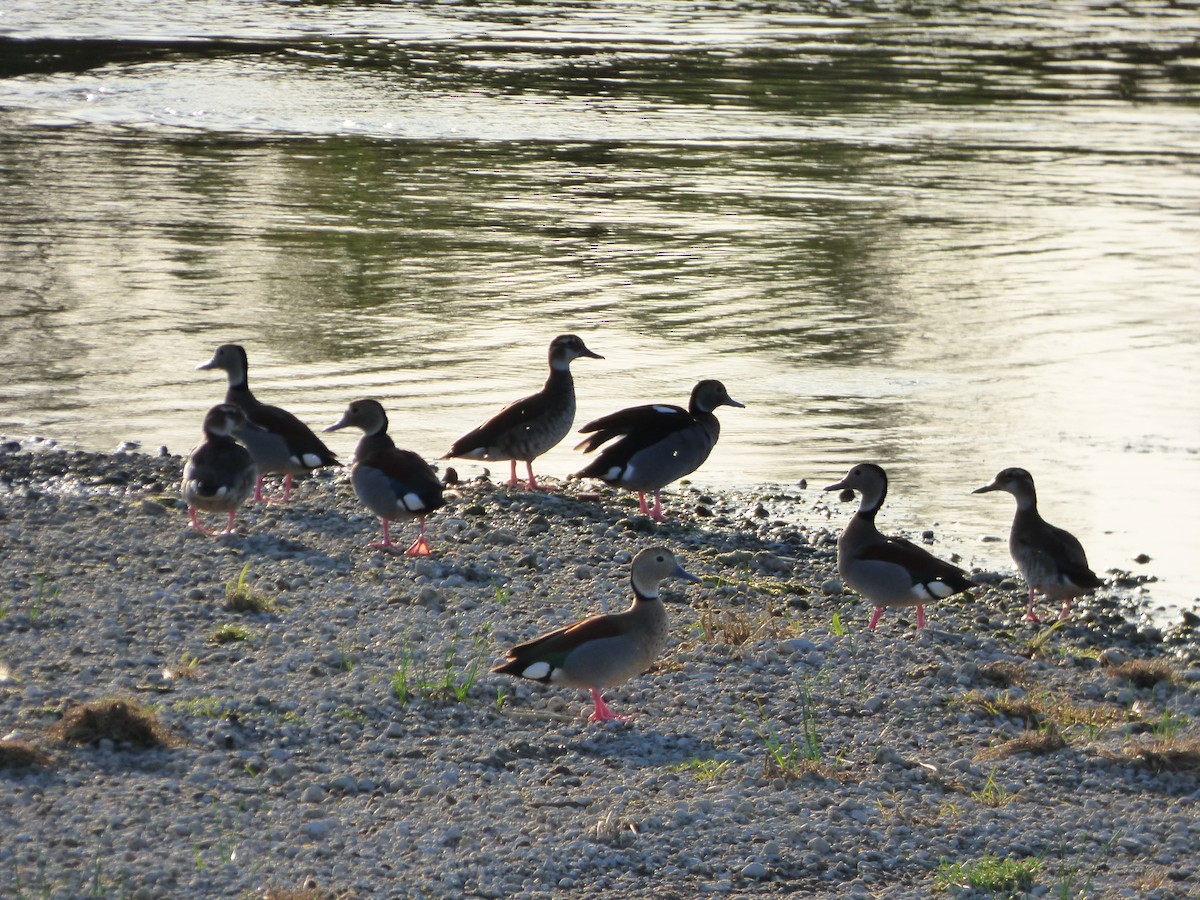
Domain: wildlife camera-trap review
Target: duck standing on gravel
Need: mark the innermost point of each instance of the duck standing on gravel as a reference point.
(888, 572)
(1050, 559)
(391, 482)
(281, 444)
(527, 428)
(658, 443)
(604, 650)
(219, 473)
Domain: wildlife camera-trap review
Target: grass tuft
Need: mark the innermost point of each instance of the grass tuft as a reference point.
(1175, 755)
(240, 598)
(229, 633)
(18, 755)
(1009, 877)
(120, 721)
(1038, 742)
(1143, 673)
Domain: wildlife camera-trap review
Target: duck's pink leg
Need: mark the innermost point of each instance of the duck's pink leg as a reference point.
(602, 713)
(386, 543)
(642, 504)
(229, 527)
(1030, 615)
(195, 521)
(512, 478)
(875, 617)
(419, 547)
(920, 617)
(258, 494)
(1066, 610)
(287, 487)
(533, 484)
(657, 514)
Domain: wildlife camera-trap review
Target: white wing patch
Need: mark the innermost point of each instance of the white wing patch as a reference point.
(615, 472)
(477, 453)
(537, 671)
(412, 502)
(665, 409)
(311, 460)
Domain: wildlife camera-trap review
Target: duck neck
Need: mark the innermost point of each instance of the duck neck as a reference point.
(560, 380)
(870, 503)
(1026, 496)
(373, 441)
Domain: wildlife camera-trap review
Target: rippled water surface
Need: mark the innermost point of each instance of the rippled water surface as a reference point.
(948, 238)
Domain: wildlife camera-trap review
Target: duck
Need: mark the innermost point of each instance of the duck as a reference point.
(1051, 560)
(391, 482)
(527, 428)
(888, 571)
(281, 444)
(658, 443)
(603, 651)
(219, 473)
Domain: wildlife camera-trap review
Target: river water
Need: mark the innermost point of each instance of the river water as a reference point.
(945, 237)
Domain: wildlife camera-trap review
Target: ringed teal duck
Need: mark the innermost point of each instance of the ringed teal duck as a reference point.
(1050, 559)
(527, 428)
(604, 650)
(888, 571)
(658, 443)
(391, 482)
(281, 444)
(219, 473)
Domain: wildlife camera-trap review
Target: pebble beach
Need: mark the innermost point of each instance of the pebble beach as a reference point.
(324, 724)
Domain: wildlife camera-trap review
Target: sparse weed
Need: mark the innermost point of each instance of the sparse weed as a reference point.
(808, 719)
(1066, 885)
(836, 625)
(45, 594)
(1037, 644)
(502, 592)
(241, 598)
(201, 707)
(992, 795)
(346, 658)
(448, 678)
(1170, 726)
(186, 668)
(703, 769)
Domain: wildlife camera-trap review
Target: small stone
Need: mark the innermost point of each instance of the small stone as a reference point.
(832, 586)
(1113, 656)
(755, 871)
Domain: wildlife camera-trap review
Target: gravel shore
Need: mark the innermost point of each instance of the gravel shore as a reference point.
(330, 728)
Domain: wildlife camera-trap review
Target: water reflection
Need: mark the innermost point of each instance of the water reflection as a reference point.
(948, 242)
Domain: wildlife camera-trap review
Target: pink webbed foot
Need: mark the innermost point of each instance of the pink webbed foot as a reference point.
(1066, 611)
(602, 713)
(419, 547)
(1030, 615)
(533, 482)
(657, 512)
